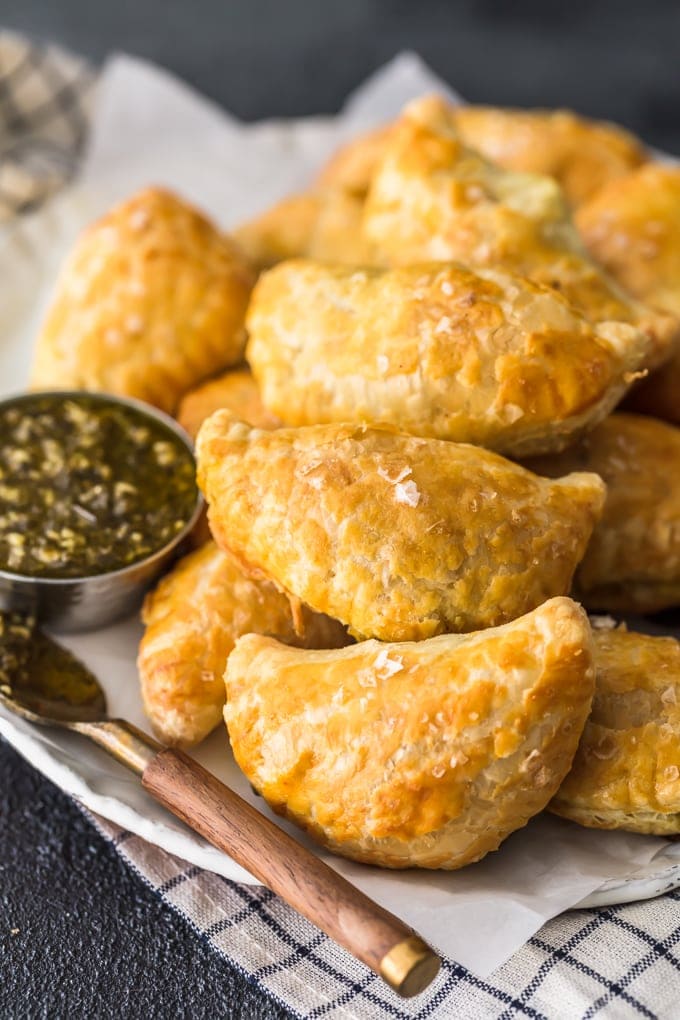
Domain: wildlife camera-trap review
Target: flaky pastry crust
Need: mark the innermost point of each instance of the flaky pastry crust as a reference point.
(319, 224)
(283, 231)
(237, 391)
(484, 357)
(433, 199)
(626, 773)
(633, 228)
(352, 165)
(151, 301)
(192, 620)
(399, 538)
(582, 155)
(422, 754)
(632, 563)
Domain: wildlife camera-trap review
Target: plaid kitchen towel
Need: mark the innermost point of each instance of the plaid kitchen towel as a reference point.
(45, 97)
(617, 962)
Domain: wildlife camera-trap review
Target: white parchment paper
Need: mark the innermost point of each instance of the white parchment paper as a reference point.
(152, 129)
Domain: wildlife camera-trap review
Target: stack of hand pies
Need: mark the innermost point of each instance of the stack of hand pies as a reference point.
(406, 385)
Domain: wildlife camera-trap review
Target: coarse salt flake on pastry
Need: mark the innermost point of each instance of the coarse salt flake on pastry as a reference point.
(439, 350)
(420, 754)
(398, 537)
(626, 773)
(192, 619)
(150, 303)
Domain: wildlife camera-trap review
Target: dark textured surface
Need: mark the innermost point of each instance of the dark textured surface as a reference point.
(81, 936)
(92, 940)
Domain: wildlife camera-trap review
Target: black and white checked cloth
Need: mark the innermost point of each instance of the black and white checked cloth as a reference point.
(617, 962)
(44, 110)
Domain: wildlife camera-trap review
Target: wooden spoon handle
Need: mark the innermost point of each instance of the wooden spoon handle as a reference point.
(372, 934)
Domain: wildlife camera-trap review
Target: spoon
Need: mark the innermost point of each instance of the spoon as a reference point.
(45, 684)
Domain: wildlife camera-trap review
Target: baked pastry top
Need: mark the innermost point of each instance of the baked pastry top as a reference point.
(237, 391)
(433, 199)
(626, 773)
(352, 165)
(484, 357)
(581, 154)
(633, 228)
(422, 754)
(192, 619)
(151, 301)
(400, 538)
(320, 224)
(280, 232)
(632, 563)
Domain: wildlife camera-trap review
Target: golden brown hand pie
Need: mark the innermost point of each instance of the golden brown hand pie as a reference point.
(632, 563)
(282, 232)
(422, 754)
(633, 228)
(151, 302)
(438, 350)
(432, 198)
(352, 165)
(581, 154)
(323, 225)
(192, 620)
(626, 773)
(398, 537)
(237, 391)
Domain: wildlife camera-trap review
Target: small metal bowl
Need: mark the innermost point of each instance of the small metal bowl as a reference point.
(86, 603)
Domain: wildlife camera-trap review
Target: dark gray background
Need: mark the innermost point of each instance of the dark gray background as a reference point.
(92, 940)
(612, 58)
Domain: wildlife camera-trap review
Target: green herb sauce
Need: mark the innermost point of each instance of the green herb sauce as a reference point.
(88, 486)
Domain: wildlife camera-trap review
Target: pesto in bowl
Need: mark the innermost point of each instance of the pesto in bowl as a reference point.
(89, 484)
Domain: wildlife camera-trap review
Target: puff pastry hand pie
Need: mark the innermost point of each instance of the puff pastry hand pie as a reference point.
(151, 301)
(438, 350)
(323, 224)
(399, 538)
(422, 754)
(633, 228)
(632, 563)
(237, 391)
(582, 155)
(626, 773)
(282, 232)
(352, 165)
(192, 620)
(432, 198)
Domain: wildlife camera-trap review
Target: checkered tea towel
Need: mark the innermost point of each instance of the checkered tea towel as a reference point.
(45, 97)
(618, 962)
